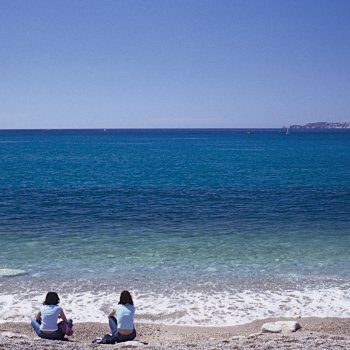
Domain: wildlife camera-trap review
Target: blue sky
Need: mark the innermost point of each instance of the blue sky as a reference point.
(179, 63)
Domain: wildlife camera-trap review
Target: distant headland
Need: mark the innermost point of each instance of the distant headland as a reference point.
(322, 125)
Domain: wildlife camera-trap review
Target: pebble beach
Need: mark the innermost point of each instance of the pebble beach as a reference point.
(316, 333)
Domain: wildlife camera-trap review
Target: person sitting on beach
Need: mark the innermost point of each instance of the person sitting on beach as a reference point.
(45, 322)
(121, 319)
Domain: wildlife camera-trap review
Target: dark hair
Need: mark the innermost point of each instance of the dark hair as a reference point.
(125, 298)
(51, 299)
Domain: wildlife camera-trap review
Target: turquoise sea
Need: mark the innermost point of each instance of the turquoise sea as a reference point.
(252, 223)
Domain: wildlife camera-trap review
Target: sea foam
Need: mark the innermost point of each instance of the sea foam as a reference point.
(188, 308)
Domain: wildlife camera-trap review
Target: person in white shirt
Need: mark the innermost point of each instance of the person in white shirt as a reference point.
(45, 322)
(121, 319)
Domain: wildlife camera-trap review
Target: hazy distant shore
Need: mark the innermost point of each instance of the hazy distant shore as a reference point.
(319, 333)
(322, 125)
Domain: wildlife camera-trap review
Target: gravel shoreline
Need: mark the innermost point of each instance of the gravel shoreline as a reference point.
(316, 333)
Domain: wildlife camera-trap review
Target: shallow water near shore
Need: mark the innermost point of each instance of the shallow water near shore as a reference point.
(207, 227)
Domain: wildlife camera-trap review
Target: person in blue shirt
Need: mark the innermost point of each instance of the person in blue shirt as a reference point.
(45, 322)
(121, 319)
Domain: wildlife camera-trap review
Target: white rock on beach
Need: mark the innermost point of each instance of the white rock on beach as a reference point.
(5, 272)
(236, 337)
(254, 335)
(280, 327)
(131, 344)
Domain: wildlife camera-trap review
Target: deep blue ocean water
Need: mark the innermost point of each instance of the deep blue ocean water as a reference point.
(183, 208)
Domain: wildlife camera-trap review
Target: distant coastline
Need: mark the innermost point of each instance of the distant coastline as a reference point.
(322, 125)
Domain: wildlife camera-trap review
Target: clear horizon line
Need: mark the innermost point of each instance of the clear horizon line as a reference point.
(170, 128)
